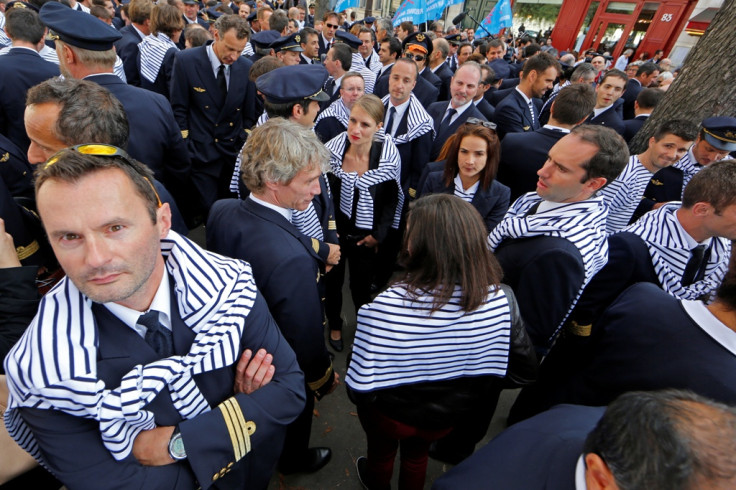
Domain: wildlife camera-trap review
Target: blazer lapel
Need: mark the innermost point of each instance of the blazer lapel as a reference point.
(275, 218)
(207, 77)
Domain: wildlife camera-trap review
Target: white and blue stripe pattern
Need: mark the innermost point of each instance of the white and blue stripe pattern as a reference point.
(468, 195)
(375, 64)
(235, 179)
(118, 69)
(670, 253)
(624, 194)
(389, 168)
(54, 365)
(307, 222)
(689, 167)
(418, 122)
(153, 48)
(337, 110)
(247, 50)
(369, 77)
(399, 340)
(582, 223)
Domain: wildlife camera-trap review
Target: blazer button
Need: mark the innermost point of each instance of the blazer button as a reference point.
(216, 125)
(206, 107)
(231, 124)
(216, 140)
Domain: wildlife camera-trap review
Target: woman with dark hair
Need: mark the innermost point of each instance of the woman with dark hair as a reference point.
(437, 346)
(470, 171)
(366, 190)
(157, 50)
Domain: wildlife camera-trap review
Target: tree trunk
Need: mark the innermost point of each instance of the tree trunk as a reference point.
(705, 86)
(323, 6)
(368, 9)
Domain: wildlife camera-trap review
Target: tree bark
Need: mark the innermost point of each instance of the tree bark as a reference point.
(705, 86)
(322, 7)
(368, 8)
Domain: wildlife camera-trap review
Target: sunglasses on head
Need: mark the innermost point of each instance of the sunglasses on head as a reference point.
(485, 124)
(415, 57)
(102, 150)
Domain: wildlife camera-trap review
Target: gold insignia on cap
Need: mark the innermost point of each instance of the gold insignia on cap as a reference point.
(298, 38)
(19, 5)
(730, 134)
(420, 37)
(199, 89)
(25, 252)
(5, 157)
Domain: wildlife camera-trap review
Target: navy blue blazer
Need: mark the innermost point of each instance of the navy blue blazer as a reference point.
(488, 111)
(423, 90)
(632, 126)
(522, 155)
(214, 131)
(127, 48)
(646, 341)
(611, 117)
(445, 74)
(20, 70)
(383, 75)
(546, 274)
(664, 186)
(499, 94)
(15, 171)
(539, 453)
(513, 116)
(414, 157)
(432, 78)
(631, 92)
(286, 271)
(210, 453)
(491, 203)
(162, 84)
(437, 111)
(327, 128)
(501, 68)
(323, 49)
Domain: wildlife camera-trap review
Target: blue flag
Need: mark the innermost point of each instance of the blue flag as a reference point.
(436, 7)
(342, 5)
(413, 10)
(498, 18)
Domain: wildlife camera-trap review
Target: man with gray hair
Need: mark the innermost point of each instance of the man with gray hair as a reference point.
(667, 439)
(281, 165)
(214, 105)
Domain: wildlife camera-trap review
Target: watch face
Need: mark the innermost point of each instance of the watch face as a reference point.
(176, 448)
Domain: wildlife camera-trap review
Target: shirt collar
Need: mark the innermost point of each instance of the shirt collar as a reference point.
(461, 109)
(526, 99)
(138, 31)
(580, 474)
(596, 112)
(710, 324)
(691, 243)
(214, 61)
(548, 205)
(459, 185)
(161, 303)
(285, 212)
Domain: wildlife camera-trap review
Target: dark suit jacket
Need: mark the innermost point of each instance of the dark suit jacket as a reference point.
(546, 274)
(488, 111)
(632, 126)
(327, 128)
(664, 186)
(323, 49)
(18, 305)
(162, 84)
(499, 94)
(20, 70)
(631, 92)
(522, 155)
(444, 73)
(437, 111)
(385, 74)
(611, 118)
(501, 68)
(214, 131)
(646, 341)
(432, 78)
(207, 439)
(491, 203)
(414, 157)
(423, 90)
(512, 115)
(15, 171)
(286, 272)
(127, 48)
(540, 453)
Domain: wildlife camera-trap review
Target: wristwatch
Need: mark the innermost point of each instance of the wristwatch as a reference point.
(176, 446)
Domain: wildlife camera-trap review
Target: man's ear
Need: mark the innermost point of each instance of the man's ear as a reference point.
(597, 474)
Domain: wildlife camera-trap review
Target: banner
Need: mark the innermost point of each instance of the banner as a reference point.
(498, 18)
(413, 10)
(436, 7)
(343, 5)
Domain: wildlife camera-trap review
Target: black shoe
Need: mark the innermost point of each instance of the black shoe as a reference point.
(313, 460)
(336, 344)
(436, 453)
(361, 467)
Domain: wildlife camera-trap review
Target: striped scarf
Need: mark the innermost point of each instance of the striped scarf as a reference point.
(247, 50)
(337, 110)
(583, 223)
(235, 179)
(624, 194)
(389, 168)
(214, 296)
(418, 122)
(153, 48)
(369, 77)
(468, 195)
(670, 253)
(398, 340)
(689, 167)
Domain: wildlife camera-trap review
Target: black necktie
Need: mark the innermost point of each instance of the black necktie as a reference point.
(532, 210)
(390, 123)
(158, 337)
(693, 265)
(330, 87)
(368, 62)
(221, 82)
(446, 121)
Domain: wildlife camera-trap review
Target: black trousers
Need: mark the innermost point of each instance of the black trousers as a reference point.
(296, 442)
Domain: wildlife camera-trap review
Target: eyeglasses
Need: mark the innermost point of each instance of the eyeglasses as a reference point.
(331, 26)
(415, 57)
(485, 124)
(102, 150)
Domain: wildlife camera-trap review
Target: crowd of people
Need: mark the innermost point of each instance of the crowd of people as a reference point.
(478, 195)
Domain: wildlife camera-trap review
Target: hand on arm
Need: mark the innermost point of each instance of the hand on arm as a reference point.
(252, 372)
(8, 256)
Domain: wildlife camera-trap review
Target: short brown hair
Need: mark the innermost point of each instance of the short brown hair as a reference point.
(139, 11)
(166, 19)
(714, 184)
